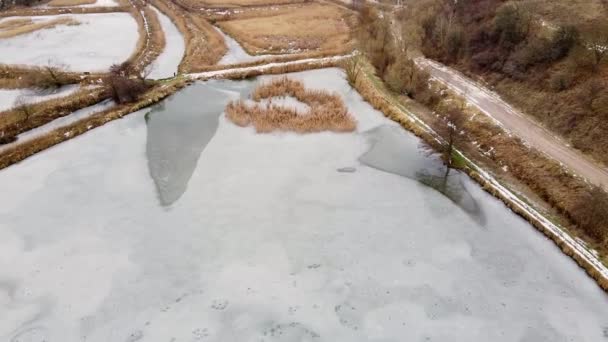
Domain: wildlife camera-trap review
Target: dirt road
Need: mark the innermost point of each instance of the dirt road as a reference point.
(517, 123)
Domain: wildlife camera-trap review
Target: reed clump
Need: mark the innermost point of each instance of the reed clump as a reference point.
(326, 112)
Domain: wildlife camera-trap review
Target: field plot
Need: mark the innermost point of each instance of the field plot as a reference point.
(99, 41)
(181, 226)
(302, 28)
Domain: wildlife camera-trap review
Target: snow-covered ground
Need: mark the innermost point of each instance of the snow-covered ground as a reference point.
(8, 97)
(101, 39)
(167, 62)
(98, 3)
(270, 242)
(236, 54)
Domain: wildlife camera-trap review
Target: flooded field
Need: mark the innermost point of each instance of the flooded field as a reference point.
(176, 225)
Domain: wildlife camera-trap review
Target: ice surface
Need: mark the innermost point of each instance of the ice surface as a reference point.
(8, 97)
(179, 130)
(101, 39)
(167, 62)
(270, 242)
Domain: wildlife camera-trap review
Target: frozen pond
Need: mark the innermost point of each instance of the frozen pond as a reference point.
(271, 237)
(100, 40)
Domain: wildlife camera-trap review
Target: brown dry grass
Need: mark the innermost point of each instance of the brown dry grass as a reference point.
(312, 26)
(327, 111)
(64, 3)
(17, 30)
(204, 45)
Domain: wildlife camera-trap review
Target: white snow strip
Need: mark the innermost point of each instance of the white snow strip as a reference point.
(101, 39)
(9, 97)
(58, 123)
(168, 61)
(264, 67)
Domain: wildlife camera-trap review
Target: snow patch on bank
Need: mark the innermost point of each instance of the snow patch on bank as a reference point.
(168, 61)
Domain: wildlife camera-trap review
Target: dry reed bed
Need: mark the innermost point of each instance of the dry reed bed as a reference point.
(17, 30)
(14, 121)
(31, 147)
(531, 169)
(65, 3)
(33, 12)
(204, 45)
(327, 111)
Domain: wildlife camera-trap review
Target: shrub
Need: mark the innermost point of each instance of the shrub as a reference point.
(512, 23)
(591, 213)
(561, 80)
(125, 84)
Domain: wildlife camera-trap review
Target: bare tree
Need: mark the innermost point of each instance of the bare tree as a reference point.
(591, 213)
(51, 76)
(448, 127)
(374, 38)
(22, 106)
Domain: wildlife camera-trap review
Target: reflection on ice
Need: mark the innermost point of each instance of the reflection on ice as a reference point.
(178, 131)
(394, 150)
